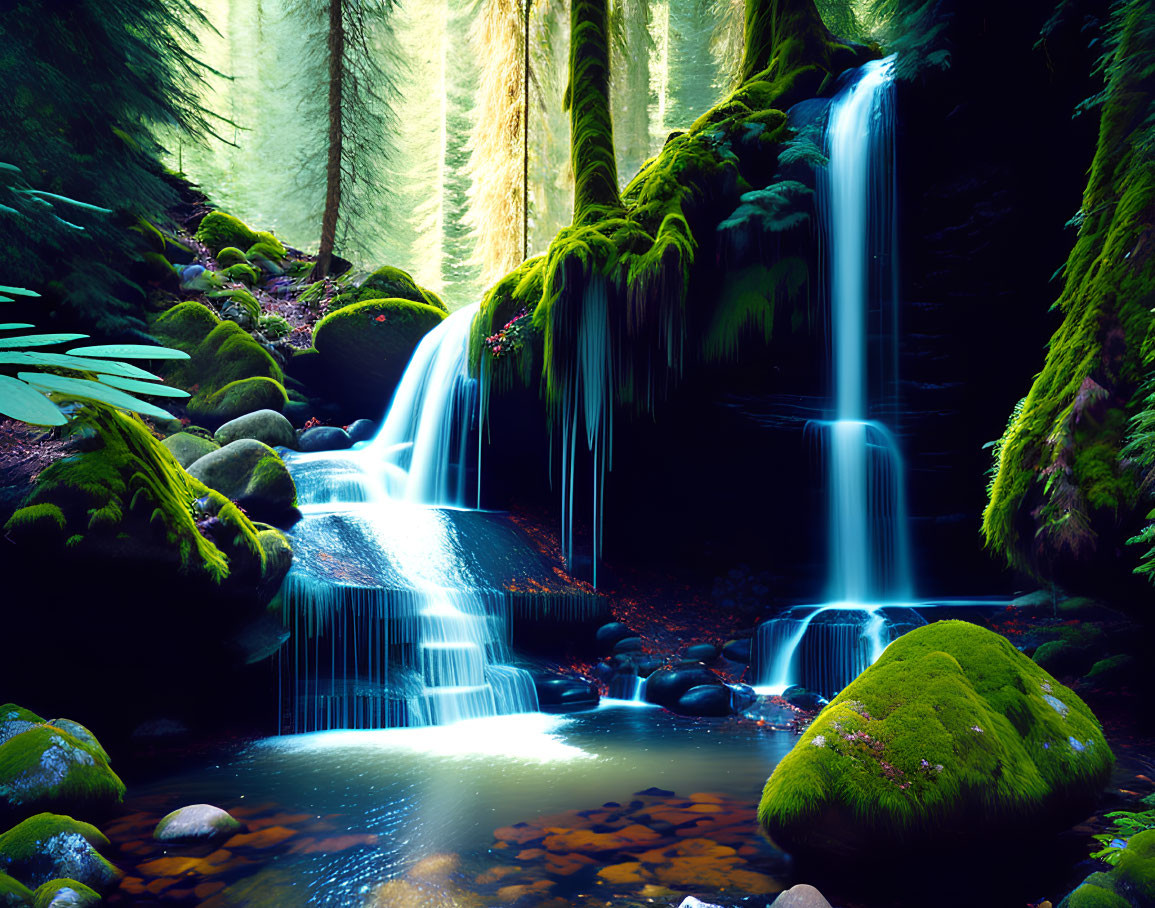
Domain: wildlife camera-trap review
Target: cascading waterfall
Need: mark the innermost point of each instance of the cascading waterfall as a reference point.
(868, 567)
(393, 622)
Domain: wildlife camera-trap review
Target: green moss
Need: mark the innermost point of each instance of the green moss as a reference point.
(312, 294)
(364, 347)
(246, 395)
(1136, 867)
(188, 448)
(230, 256)
(219, 230)
(45, 518)
(274, 245)
(1091, 896)
(13, 893)
(37, 849)
(246, 274)
(1112, 666)
(273, 253)
(1061, 492)
(69, 893)
(45, 768)
(1016, 747)
(132, 483)
(227, 370)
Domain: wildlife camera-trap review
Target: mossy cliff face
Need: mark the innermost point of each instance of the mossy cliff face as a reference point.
(228, 373)
(1064, 492)
(128, 495)
(951, 738)
(616, 284)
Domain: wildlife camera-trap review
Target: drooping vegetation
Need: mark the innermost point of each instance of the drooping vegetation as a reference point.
(1066, 484)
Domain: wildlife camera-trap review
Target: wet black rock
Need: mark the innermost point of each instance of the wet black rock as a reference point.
(362, 430)
(628, 645)
(803, 698)
(705, 700)
(560, 693)
(666, 686)
(609, 634)
(737, 651)
(702, 652)
(324, 438)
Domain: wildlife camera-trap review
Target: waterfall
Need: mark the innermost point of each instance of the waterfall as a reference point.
(868, 566)
(393, 620)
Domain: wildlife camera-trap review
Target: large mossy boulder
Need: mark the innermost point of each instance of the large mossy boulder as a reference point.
(127, 497)
(363, 348)
(65, 894)
(249, 473)
(50, 767)
(227, 373)
(388, 282)
(952, 738)
(219, 231)
(50, 847)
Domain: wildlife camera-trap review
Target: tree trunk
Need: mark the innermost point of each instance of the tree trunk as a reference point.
(782, 34)
(591, 126)
(336, 139)
(525, 139)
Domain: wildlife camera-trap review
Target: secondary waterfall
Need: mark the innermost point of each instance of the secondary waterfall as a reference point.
(395, 617)
(868, 566)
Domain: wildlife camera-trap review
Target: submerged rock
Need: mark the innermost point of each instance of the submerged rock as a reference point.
(196, 823)
(950, 739)
(704, 700)
(801, 698)
(666, 686)
(801, 896)
(566, 693)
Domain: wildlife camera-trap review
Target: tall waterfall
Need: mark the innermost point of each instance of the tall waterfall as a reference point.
(395, 621)
(868, 566)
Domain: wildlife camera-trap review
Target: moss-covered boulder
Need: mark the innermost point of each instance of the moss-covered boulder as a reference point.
(46, 768)
(268, 426)
(245, 273)
(363, 349)
(16, 719)
(249, 473)
(14, 894)
(1131, 882)
(230, 256)
(128, 498)
(952, 737)
(228, 373)
(219, 231)
(188, 448)
(65, 894)
(388, 282)
(50, 847)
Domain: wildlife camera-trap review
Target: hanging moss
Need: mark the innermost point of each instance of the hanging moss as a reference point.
(131, 485)
(1061, 492)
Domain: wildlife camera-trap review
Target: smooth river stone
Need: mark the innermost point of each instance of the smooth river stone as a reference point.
(196, 823)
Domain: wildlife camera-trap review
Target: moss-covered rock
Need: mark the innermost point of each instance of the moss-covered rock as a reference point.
(188, 448)
(129, 497)
(951, 737)
(219, 230)
(50, 847)
(81, 734)
(388, 282)
(230, 256)
(245, 273)
(267, 426)
(45, 768)
(228, 373)
(66, 894)
(1131, 882)
(364, 348)
(1088, 895)
(250, 473)
(13, 893)
(16, 719)
(1058, 657)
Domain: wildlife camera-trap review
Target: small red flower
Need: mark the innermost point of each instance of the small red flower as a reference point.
(379, 318)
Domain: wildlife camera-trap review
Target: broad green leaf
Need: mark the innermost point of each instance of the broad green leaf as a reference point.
(8, 209)
(18, 291)
(143, 387)
(79, 363)
(67, 201)
(11, 168)
(12, 326)
(38, 340)
(129, 351)
(19, 401)
(83, 389)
